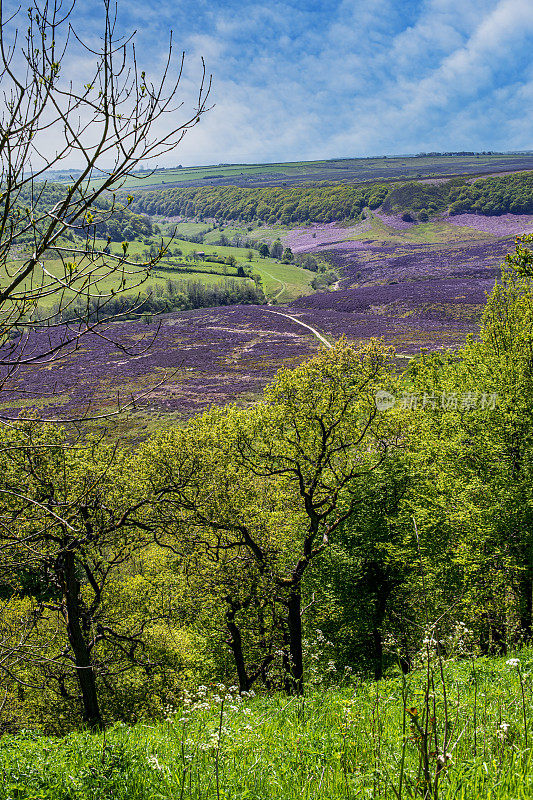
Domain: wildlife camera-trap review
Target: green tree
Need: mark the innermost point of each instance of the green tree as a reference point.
(480, 435)
(276, 250)
(67, 530)
(277, 482)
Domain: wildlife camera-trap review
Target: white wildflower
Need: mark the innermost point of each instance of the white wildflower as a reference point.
(154, 763)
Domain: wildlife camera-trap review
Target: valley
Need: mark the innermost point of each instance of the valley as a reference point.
(415, 286)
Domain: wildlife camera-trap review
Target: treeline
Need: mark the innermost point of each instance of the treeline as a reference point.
(507, 194)
(284, 205)
(120, 224)
(177, 295)
(489, 196)
(349, 518)
(307, 204)
(106, 219)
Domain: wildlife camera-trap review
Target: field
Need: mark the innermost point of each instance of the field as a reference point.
(334, 170)
(466, 736)
(411, 292)
(281, 281)
(186, 362)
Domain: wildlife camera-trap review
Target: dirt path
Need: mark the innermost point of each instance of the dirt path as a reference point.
(303, 325)
(283, 286)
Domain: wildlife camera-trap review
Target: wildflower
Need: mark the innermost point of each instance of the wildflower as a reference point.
(443, 758)
(513, 662)
(154, 763)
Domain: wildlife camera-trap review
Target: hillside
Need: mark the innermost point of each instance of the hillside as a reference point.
(343, 202)
(336, 170)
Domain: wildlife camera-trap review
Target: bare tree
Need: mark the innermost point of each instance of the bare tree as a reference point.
(49, 251)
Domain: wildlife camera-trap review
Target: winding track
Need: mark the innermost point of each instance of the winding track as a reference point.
(283, 286)
(303, 324)
(319, 335)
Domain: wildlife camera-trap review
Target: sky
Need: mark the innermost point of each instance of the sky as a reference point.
(338, 78)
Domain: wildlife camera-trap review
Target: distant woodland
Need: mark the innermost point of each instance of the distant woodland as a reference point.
(322, 203)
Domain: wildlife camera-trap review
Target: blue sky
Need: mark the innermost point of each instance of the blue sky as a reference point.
(305, 80)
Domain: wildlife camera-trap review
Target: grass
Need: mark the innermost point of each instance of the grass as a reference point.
(397, 738)
(283, 281)
(433, 232)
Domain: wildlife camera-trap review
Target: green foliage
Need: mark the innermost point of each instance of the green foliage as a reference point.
(288, 205)
(178, 295)
(416, 196)
(492, 196)
(107, 220)
(361, 740)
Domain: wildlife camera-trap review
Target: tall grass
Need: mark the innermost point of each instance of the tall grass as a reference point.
(453, 730)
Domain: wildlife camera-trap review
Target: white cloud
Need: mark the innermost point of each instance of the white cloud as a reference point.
(296, 81)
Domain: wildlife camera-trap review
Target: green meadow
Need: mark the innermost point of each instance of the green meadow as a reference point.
(459, 729)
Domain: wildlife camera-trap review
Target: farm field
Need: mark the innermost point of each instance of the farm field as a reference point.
(335, 170)
(283, 281)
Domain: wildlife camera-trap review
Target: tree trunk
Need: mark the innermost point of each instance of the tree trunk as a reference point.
(235, 644)
(378, 653)
(294, 620)
(84, 668)
(526, 604)
(498, 638)
(404, 658)
(378, 582)
(268, 658)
